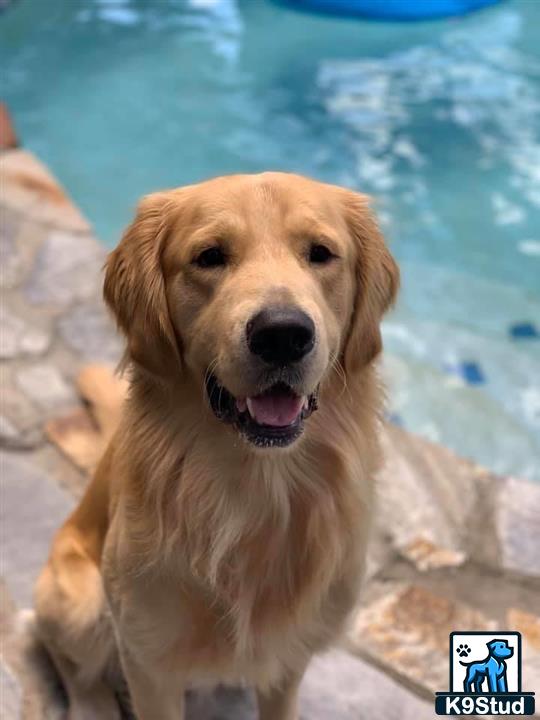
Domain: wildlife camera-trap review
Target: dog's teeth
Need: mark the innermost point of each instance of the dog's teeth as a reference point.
(241, 405)
(306, 404)
(249, 406)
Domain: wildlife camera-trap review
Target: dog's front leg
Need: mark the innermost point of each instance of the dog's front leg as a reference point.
(154, 696)
(492, 680)
(280, 703)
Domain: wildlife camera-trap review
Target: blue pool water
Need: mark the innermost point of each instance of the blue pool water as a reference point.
(440, 121)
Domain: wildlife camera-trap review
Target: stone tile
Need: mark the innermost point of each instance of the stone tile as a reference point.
(89, 330)
(29, 187)
(21, 422)
(380, 553)
(19, 241)
(19, 337)
(8, 431)
(67, 269)
(10, 695)
(342, 687)
(8, 612)
(44, 385)
(11, 261)
(29, 667)
(482, 540)
(13, 439)
(425, 555)
(405, 632)
(529, 627)
(518, 526)
(32, 508)
(469, 584)
(426, 494)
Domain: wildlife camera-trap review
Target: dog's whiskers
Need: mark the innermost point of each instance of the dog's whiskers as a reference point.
(209, 371)
(337, 367)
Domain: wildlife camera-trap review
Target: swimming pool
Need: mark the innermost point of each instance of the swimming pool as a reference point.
(440, 121)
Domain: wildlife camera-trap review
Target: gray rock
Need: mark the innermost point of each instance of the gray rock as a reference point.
(29, 671)
(10, 695)
(425, 494)
(67, 268)
(45, 386)
(482, 539)
(32, 507)
(528, 625)
(8, 431)
(339, 686)
(518, 526)
(405, 631)
(11, 437)
(21, 419)
(89, 330)
(20, 337)
(10, 259)
(29, 187)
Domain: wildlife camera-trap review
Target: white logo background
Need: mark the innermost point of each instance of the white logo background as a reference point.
(477, 643)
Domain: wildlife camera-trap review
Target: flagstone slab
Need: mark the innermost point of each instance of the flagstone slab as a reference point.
(88, 330)
(28, 186)
(10, 694)
(21, 337)
(340, 686)
(21, 424)
(45, 386)
(67, 269)
(32, 508)
(518, 526)
(405, 632)
(528, 624)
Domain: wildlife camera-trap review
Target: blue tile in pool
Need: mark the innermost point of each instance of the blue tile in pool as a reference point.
(472, 373)
(524, 331)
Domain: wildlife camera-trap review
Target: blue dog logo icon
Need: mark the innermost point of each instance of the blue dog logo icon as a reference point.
(492, 669)
(485, 675)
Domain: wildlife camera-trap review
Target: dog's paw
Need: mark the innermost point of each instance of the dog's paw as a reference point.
(463, 650)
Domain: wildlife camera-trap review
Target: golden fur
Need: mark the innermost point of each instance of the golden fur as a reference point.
(213, 560)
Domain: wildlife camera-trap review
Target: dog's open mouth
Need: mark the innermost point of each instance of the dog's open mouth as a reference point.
(275, 417)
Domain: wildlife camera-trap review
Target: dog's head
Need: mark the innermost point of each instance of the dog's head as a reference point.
(500, 649)
(256, 287)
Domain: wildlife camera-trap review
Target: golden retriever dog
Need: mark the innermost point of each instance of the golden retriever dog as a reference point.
(222, 539)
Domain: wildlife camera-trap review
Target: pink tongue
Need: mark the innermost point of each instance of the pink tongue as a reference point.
(275, 410)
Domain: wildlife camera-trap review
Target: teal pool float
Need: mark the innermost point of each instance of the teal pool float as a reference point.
(392, 9)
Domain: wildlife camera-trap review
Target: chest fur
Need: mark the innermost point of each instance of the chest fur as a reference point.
(264, 565)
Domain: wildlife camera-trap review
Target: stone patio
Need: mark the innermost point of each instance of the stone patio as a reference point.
(454, 546)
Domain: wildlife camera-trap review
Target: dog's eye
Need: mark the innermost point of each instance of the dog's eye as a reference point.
(211, 258)
(320, 254)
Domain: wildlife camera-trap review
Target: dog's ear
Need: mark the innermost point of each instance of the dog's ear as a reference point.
(376, 279)
(134, 287)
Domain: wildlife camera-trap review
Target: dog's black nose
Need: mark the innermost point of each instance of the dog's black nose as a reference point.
(280, 335)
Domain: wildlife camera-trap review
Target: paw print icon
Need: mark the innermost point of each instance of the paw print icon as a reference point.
(463, 650)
